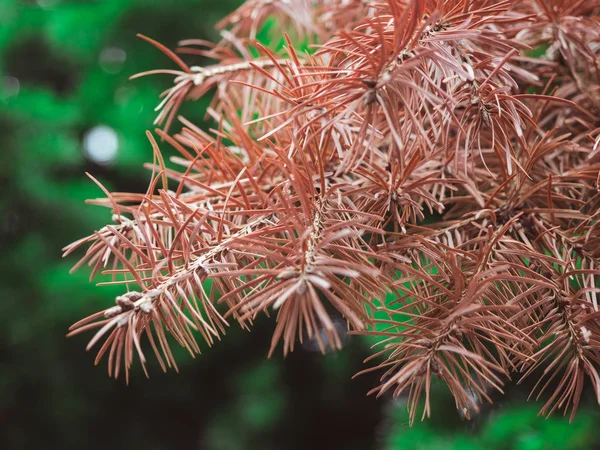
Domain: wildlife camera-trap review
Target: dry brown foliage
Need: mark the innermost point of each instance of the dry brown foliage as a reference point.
(420, 153)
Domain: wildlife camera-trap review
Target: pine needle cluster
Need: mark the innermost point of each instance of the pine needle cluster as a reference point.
(444, 154)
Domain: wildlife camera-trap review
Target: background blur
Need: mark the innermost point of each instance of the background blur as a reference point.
(67, 107)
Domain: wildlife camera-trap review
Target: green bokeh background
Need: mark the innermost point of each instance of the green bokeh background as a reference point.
(53, 88)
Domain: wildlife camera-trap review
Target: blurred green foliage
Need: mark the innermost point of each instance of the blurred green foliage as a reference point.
(513, 426)
(64, 68)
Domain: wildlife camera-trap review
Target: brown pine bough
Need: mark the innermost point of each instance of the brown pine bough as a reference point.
(444, 154)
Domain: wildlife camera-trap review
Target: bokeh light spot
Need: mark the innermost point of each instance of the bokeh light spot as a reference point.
(100, 144)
